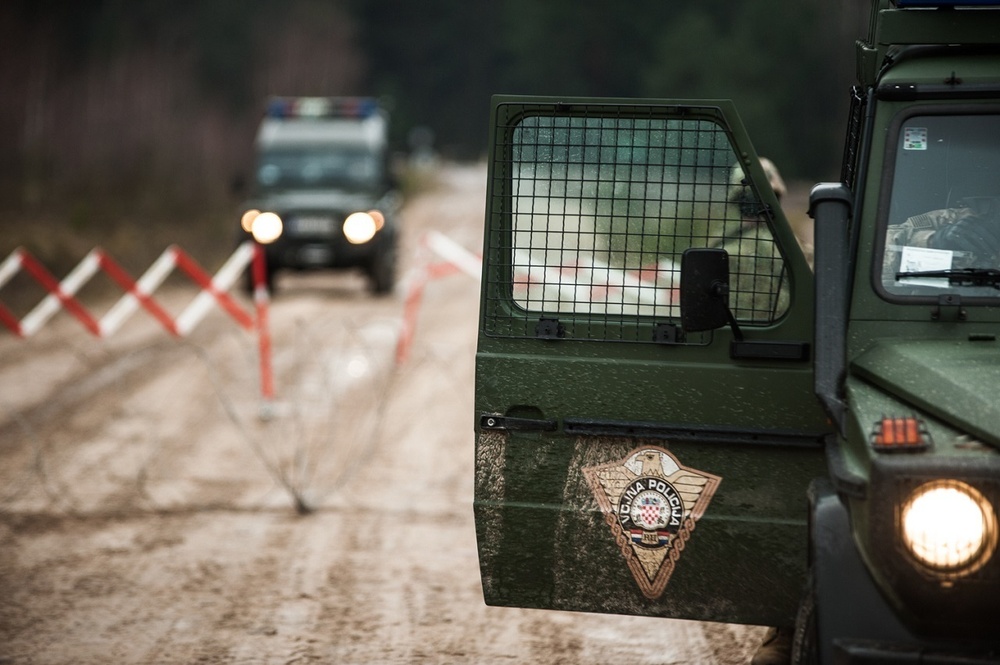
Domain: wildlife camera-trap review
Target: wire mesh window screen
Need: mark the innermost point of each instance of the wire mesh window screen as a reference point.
(592, 212)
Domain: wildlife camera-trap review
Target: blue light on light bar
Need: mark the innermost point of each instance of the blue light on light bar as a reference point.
(321, 107)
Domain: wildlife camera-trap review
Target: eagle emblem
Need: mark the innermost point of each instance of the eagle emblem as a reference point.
(651, 502)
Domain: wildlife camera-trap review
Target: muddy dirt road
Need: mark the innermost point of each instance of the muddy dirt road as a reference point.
(147, 511)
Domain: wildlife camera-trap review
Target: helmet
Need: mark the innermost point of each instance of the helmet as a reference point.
(770, 170)
(773, 177)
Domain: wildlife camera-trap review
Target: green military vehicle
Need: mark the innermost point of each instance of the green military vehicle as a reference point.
(677, 416)
(324, 197)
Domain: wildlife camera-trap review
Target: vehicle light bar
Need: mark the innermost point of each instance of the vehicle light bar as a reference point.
(321, 107)
(947, 3)
(906, 434)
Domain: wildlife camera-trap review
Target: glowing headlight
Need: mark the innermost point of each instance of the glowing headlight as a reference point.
(266, 227)
(360, 227)
(949, 526)
(246, 222)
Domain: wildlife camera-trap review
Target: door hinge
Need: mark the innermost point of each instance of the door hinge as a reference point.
(547, 328)
(945, 302)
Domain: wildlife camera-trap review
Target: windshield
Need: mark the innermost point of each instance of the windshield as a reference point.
(943, 231)
(317, 168)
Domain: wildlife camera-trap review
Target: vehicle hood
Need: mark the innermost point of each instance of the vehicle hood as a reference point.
(335, 200)
(957, 382)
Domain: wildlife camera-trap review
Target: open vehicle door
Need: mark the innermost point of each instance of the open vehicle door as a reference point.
(625, 464)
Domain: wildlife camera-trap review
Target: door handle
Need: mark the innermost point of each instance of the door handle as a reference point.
(494, 422)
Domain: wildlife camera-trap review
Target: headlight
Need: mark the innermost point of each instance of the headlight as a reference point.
(949, 527)
(266, 227)
(246, 222)
(360, 227)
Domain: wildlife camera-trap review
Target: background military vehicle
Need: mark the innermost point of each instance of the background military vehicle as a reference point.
(323, 171)
(676, 417)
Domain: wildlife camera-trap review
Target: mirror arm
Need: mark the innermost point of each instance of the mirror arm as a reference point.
(721, 290)
(735, 327)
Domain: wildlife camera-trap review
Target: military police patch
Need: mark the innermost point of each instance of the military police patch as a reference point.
(651, 502)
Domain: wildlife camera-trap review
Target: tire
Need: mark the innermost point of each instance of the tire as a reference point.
(382, 270)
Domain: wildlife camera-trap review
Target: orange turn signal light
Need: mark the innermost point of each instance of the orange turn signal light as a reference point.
(900, 434)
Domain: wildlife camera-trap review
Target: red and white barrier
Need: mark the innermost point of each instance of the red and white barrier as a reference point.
(139, 293)
(261, 298)
(580, 284)
(456, 259)
(586, 285)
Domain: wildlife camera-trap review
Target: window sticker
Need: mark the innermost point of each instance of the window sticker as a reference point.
(919, 259)
(915, 138)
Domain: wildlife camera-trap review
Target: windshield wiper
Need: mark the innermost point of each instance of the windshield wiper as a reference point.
(960, 276)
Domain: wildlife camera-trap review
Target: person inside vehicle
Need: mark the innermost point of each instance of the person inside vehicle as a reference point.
(743, 196)
(964, 236)
(758, 280)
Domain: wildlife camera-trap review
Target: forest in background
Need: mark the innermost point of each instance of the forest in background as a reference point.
(118, 115)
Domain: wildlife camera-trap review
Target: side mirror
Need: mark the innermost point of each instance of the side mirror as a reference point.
(704, 289)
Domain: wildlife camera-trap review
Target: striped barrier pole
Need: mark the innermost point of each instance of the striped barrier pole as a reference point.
(61, 294)
(456, 259)
(261, 299)
(137, 293)
(214, 290)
